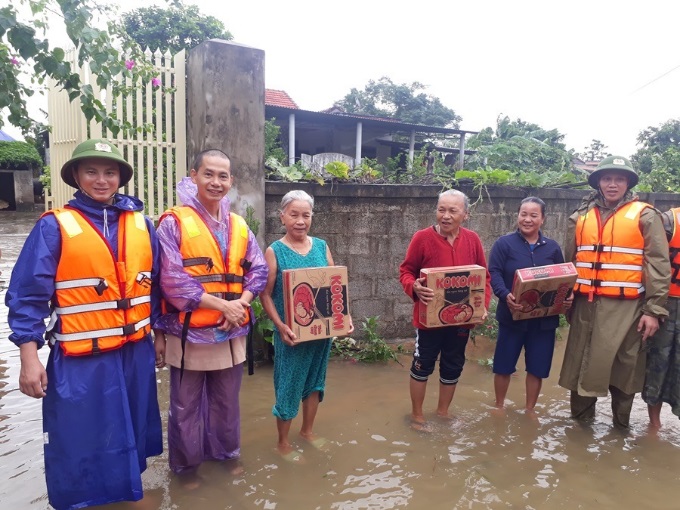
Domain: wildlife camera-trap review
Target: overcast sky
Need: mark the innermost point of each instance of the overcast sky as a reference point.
(583, 67)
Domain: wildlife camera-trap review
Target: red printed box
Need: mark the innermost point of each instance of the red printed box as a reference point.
(458, 296)
(316, 303)
(542, 290)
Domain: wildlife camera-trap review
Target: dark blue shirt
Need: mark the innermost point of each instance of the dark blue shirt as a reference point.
(511, 252)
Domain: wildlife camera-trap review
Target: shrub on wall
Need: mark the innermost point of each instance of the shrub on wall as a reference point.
(19, 156)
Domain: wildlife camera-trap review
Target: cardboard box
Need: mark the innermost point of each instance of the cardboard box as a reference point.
(543, 289)
(458, 296)
(316, 303)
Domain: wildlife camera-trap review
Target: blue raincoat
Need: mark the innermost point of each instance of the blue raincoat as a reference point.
(100, 415)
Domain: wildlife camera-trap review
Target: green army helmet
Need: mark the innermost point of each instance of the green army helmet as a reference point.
(96, 148)
(619, 163)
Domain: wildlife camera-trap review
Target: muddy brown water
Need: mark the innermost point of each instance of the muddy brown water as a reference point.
(375, 461)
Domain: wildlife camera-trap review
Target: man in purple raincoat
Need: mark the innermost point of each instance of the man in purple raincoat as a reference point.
(208, 286)
(100, 410)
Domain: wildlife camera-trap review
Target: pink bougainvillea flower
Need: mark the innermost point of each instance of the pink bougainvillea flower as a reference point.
(14, 61)
(156, 82)
(129, 64)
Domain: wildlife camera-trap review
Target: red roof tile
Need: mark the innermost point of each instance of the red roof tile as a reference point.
(279, 98)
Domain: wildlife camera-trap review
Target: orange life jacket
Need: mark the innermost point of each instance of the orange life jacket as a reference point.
(609, 257)
(101, 302)
(674, 245)
(202, 259)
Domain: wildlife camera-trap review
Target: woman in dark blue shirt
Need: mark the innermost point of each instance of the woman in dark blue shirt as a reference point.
(526, 247)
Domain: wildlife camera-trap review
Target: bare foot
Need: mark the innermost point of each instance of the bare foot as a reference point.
(499, 412)
(289, 454)
(531, 414)
(420, 425)
(320, 443)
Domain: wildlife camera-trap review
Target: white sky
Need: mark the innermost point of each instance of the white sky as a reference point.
(575, 66)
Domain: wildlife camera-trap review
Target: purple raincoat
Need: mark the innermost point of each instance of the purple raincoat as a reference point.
(204, 418)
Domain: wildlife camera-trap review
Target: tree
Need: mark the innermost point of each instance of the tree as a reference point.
(175, 28)
(384, 98)
(519, 146)
(655, 141)
(27, 58)
(596, 151)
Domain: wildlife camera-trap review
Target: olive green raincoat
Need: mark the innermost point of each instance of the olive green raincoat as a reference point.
(604, 347)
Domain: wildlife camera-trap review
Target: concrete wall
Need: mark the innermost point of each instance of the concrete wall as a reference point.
(20, 195)
(225, 110)
(369, 227)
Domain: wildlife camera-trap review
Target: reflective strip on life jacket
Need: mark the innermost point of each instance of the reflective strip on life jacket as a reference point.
(202, 259)
(602, 265)
(101, 302)
(610, 256)
(128, 329)
(122, 304)
(610, 249)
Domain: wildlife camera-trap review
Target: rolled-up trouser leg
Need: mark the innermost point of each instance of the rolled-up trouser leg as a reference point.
(622, 403)
(582, 408)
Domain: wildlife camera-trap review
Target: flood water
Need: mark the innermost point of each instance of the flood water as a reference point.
(477, 461)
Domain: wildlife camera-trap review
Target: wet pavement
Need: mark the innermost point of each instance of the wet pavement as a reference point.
(374, 460)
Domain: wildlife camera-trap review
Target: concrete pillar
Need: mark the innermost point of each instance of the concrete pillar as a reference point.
(291, 139)
(461, 152)
(357, 154)
(412, 147)
(225, 110)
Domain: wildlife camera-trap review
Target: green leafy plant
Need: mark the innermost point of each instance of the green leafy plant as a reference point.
(369, 350)
(367, 171)
(338, 169)
(489, 328)
(264, 326)
(252, 222)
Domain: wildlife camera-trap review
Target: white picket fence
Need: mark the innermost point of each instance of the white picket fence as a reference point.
(158, 156)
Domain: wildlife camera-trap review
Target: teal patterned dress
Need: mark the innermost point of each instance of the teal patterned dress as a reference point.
(299, 370)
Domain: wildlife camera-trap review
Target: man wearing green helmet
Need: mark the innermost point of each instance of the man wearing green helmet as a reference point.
(618, 245)
(92, 267)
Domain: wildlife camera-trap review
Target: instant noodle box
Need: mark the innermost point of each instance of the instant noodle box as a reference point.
(316, 304)
(458, 296)
(542, 290)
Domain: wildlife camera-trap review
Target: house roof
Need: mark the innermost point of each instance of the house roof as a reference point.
(348, 119)
(279, 102)
(278, 98)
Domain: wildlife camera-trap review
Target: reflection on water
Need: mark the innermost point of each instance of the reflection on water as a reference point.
(476, 461)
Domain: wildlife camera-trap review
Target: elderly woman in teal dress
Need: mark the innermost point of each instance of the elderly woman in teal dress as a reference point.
(299, 368)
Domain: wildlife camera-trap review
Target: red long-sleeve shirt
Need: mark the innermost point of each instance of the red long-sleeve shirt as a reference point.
(429, 249)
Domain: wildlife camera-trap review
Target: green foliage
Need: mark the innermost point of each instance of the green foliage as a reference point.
(272, 143)
(27, 59)
(367, 171)
(369, 350)
(655, 141)
(19, 155)
(338, 170)
(175, 28)
(596, 151)
(46, 178)
(664, 173)
(384, 98)
(264, 326)
(489, 328)
(294, 173)
(519, 146)
(250, 219)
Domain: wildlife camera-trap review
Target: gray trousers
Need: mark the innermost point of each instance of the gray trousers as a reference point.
(583, 408)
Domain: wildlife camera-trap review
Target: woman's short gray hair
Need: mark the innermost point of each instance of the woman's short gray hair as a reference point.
(296, 194)
(456, 193)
